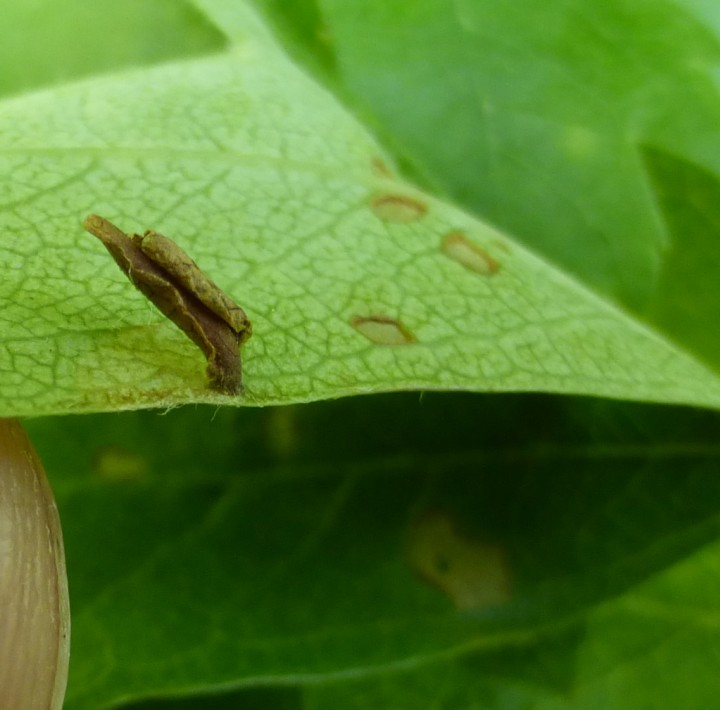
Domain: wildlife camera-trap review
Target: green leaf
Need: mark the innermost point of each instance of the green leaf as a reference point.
(652, 647)
(354, 280)
(44, 43)
(281, 548)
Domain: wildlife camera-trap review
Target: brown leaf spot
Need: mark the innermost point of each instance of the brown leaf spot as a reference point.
(114, 463)
(398, 209)
(458, 247)
(381, 169)
(472, 573)
(383, 330)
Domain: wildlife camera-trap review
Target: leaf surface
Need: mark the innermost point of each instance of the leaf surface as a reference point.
(355, 281)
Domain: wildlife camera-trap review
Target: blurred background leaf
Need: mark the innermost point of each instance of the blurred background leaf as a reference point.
(278, 548)
(51, 43)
